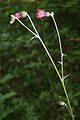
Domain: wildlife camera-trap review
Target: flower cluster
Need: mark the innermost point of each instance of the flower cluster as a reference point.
(17, 15)
(40, 13)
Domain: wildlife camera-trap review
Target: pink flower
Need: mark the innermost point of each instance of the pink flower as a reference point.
(41, 14)
(18, 15)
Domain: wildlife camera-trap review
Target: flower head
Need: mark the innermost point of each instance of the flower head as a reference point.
(41, 14)
(17, 15)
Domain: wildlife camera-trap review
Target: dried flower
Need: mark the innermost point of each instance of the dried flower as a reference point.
(17, 15)
(41, 14)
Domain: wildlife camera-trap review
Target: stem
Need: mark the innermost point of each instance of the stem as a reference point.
(50, 57)
(62, 70)
(57, 30)
(25, 26)
(38, 36)
(67, 97)
(33, 24)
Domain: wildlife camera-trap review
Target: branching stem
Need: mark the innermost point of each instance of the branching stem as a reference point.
(61, 77)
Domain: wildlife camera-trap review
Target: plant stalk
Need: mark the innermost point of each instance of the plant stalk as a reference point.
(62, 67)
(36, 34)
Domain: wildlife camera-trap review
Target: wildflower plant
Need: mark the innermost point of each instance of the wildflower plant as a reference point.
(40, 13)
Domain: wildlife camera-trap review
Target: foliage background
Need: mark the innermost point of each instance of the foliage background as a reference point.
(29, 86)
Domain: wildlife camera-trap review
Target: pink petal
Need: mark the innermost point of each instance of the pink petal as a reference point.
(41, 14)
(18, 15)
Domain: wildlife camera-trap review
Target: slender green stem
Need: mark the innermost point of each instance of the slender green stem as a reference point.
(57, 30)
(50, 57)
(69, 104)
(62, 70)
(24, 25)
(36, 34)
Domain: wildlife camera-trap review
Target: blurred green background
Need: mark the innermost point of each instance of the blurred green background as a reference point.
(29, 86)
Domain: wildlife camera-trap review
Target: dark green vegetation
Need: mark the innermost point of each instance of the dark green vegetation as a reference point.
(29, 86)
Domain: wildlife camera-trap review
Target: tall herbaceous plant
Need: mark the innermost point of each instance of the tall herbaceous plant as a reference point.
(40, 14)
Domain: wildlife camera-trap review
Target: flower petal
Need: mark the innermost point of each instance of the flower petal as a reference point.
(12, 20)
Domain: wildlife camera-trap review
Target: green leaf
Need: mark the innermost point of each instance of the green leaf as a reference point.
(6, 78)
